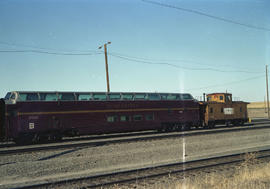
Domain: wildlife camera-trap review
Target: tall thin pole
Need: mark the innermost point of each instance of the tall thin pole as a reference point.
(107, 70)
(267, 91)
(264, 105)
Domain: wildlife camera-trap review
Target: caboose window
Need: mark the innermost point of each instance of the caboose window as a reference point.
(211, 110)
(48, 96)
(100, 96)
(220, 97)
(153, 97)
(228, 98)
(114, 96)
(66, 96)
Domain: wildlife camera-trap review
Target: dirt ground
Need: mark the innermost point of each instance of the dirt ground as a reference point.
(257, 110)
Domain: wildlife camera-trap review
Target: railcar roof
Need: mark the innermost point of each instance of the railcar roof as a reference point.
(219, 93)
(98, 92)
(86, 96)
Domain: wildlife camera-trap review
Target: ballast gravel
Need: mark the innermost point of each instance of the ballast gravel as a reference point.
(20, 169)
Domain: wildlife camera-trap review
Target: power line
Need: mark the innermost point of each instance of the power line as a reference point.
(177, 66)
(42, 48)
(229, 83)
(175, 60)
(206, 15)
(128, 58)
(47, 52)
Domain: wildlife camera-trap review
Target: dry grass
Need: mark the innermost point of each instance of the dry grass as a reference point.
(256, 105)
(247, 176)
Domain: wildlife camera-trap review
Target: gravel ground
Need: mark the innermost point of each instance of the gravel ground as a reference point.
(16, 170)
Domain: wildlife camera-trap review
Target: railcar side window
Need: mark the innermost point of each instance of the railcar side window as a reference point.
(186, 97)
(13, 96)
(28, 96)
(112, 118)
(22, 96)
(84, 97)
(211, 110)
(100, 96)
(48, 96)
(149, 117)
(163, 96)
(139, 96)
(32, 96)
(126, 96)
(172, 97)
(7, 96)
(153, 97)
(66, 96)
(124, 118)
(114, 96)
(137, 117)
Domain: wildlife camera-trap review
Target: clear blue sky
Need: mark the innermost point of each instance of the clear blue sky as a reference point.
(214, 53)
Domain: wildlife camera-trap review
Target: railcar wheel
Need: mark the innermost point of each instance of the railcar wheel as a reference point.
(205, 125)
(25, 139)
(242, 122)
(159, 130)
(58, 137)
(212, 125)
(185, 127)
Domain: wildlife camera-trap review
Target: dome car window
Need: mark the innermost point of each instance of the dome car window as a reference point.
(48, 96)
(66, 96)
(82, 97)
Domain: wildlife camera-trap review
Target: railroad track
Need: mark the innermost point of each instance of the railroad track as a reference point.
(142, 133)
(122, 139)
(154, 172)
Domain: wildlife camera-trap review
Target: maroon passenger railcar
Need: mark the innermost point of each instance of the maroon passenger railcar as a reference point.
(30, 116)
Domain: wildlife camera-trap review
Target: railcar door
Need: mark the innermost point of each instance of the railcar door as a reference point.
(2, 118)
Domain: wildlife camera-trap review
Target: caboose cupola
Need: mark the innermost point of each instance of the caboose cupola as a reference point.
(219, 97)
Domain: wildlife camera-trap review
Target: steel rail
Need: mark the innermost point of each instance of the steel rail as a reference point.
(149, 172)
(158, 136)
(137, 133)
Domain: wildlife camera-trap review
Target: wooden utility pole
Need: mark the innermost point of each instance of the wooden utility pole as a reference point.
(267, 90)
(106, 65)
(107, 70)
